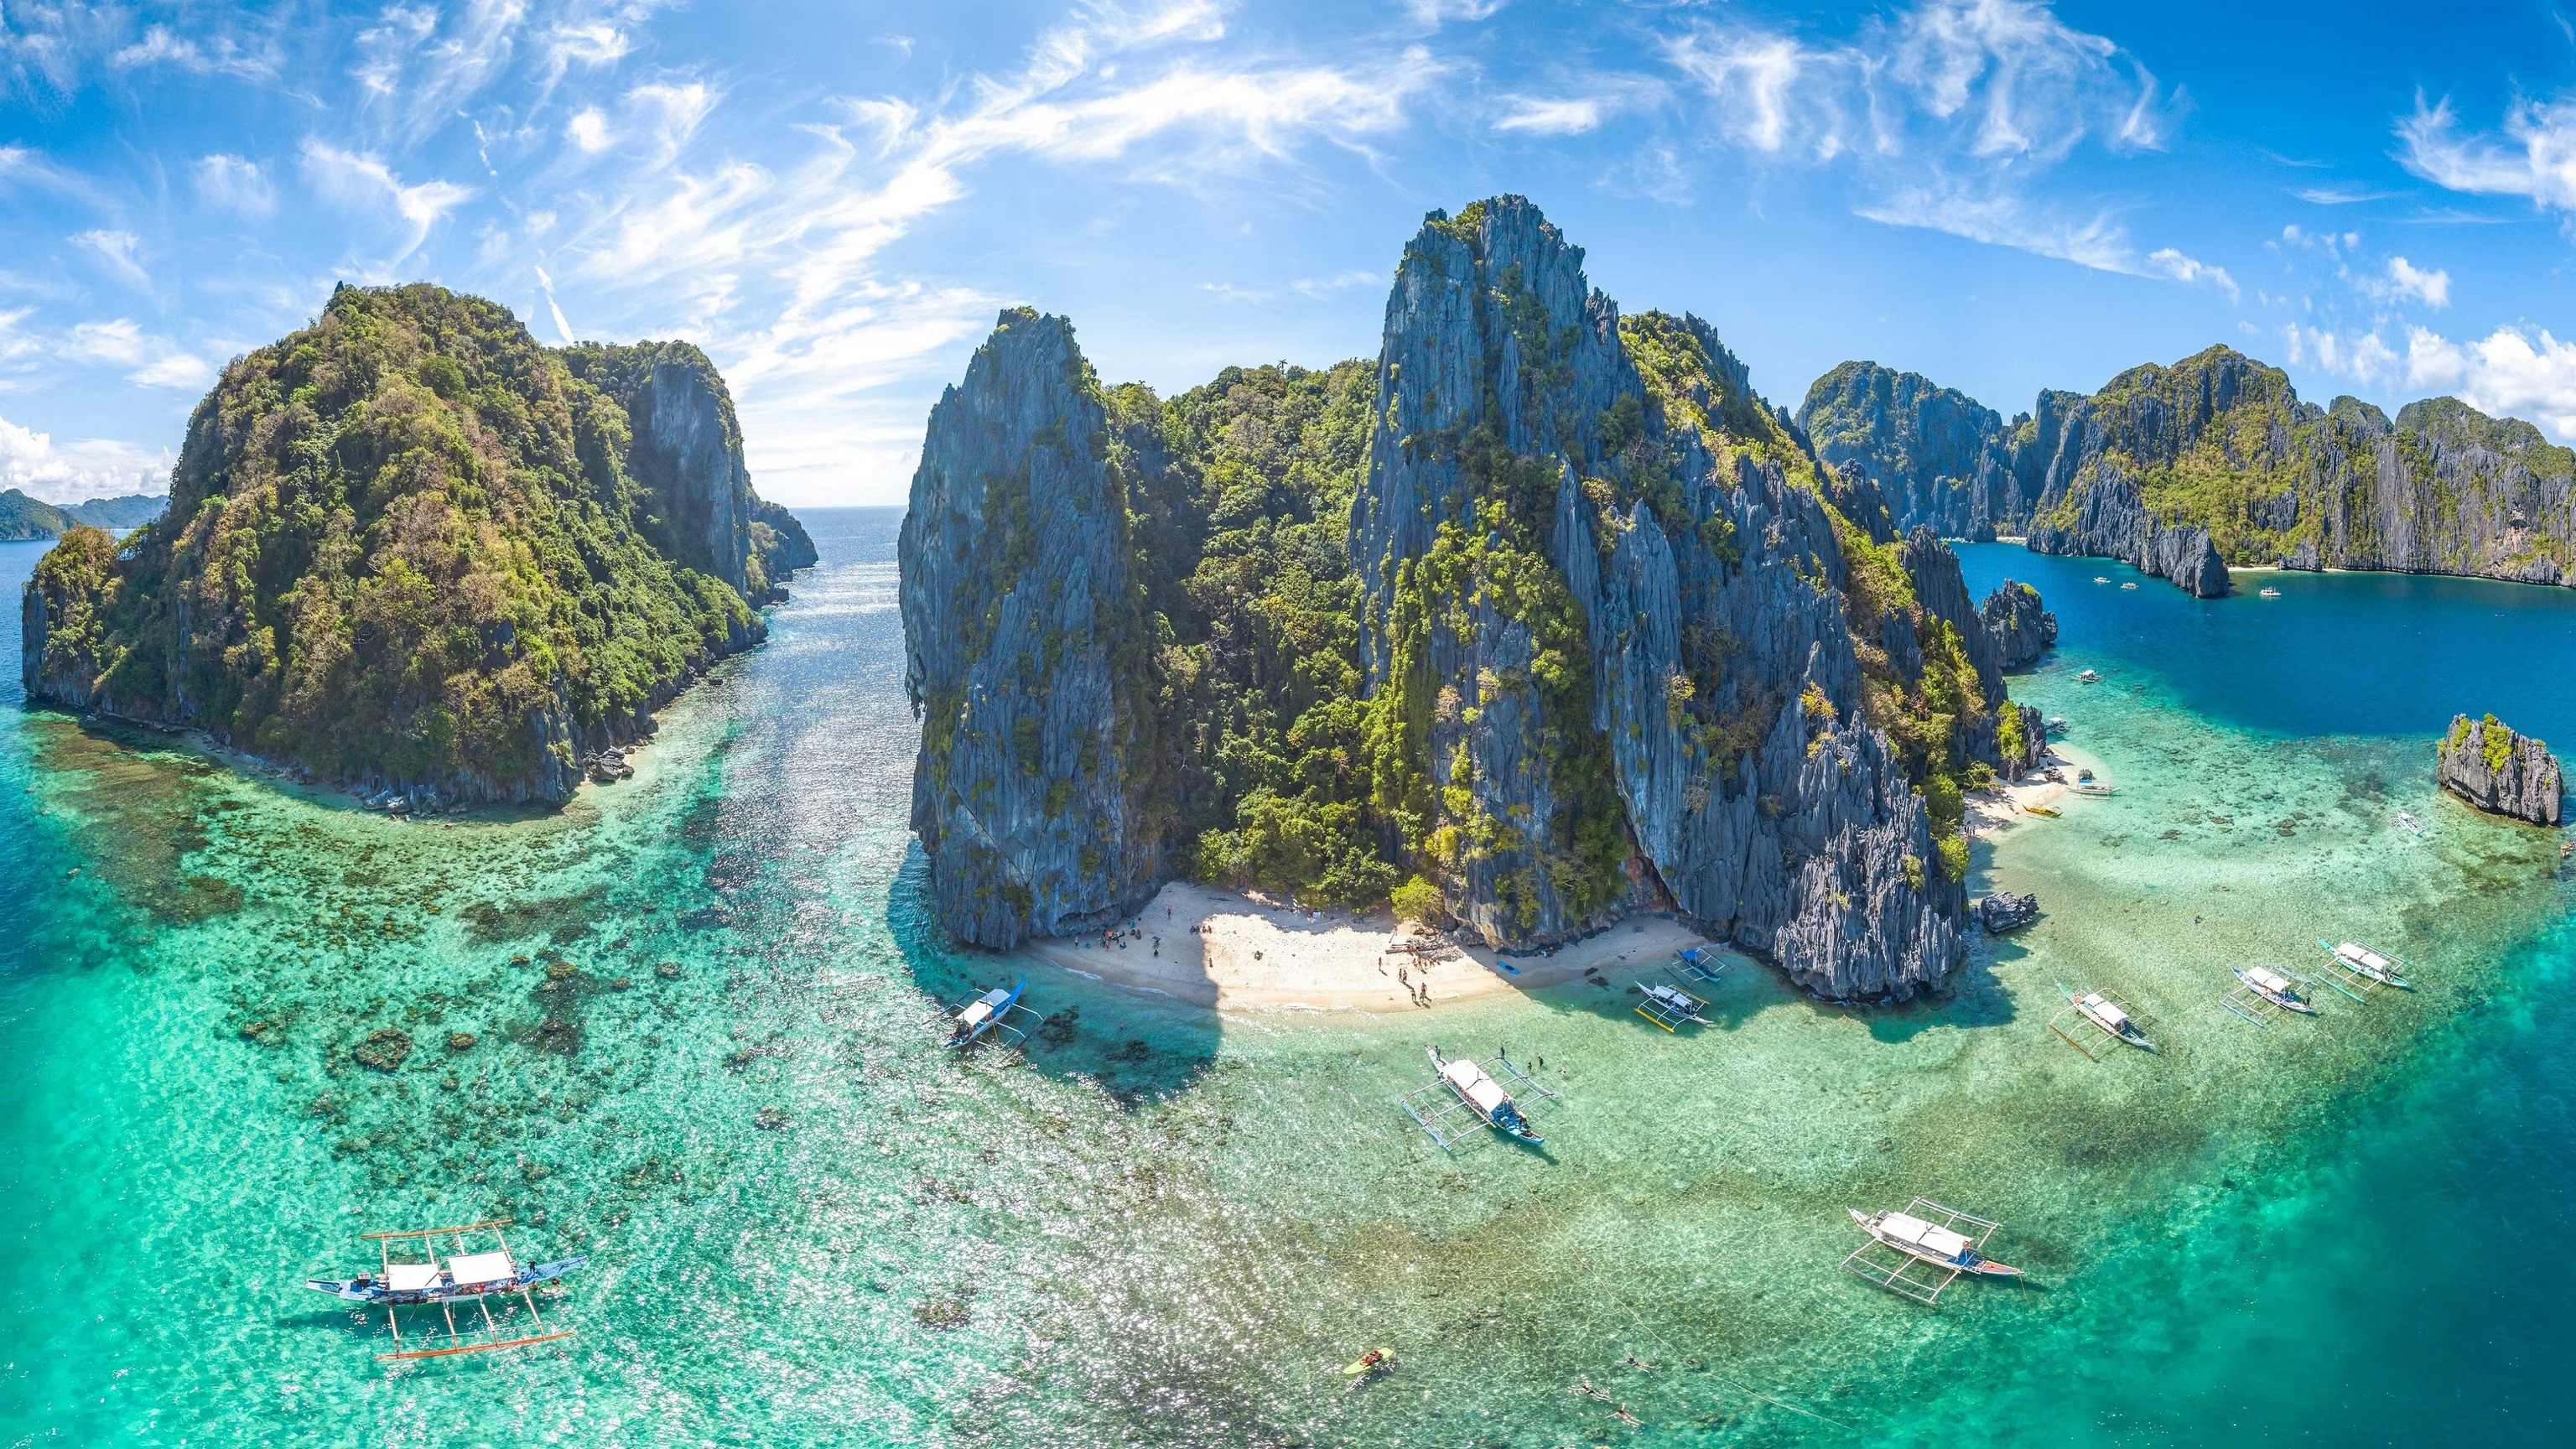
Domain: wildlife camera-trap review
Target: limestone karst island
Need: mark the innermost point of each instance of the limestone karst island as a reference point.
(1197, 724)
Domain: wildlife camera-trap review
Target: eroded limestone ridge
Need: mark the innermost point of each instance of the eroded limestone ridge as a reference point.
(2213, 461)
(2501, 772)
(1547, 610)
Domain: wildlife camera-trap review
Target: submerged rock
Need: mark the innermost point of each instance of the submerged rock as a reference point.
(2022, 630)
(2003, 911)
(383, 1050)
(2499, 771)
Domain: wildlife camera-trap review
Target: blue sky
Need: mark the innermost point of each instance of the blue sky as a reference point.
(834, 199)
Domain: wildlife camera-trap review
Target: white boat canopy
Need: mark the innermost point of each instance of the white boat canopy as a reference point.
(475, 1269)
(2104, 1012)
(1905, 1227)
(2269, 980)
(2365, 957)
(410, 1277)
(975, 1012)
(1482, 1090)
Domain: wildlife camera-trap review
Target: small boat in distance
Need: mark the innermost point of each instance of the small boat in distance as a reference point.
(2093, 787)
(2130, 585)
(1373, 1361)
(1484, 1096)
(2407, 822)
(2089, 677)
(2269, 592)
(2040, 810)
(1670, 1007)
(1930, 1242)
(2100, 579)
(2368, 964)
(2055, 724)
(2275, 988)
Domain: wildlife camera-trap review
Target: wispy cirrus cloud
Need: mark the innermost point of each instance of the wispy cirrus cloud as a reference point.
(1948, 116)
(2534, 157)
(363, 180)
(150, 361)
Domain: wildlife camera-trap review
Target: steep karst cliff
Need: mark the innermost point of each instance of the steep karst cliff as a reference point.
(2185, 470)
(1545, 608)
(411, 550)
(2503, 773)
(1028, 654)
(1940, 458)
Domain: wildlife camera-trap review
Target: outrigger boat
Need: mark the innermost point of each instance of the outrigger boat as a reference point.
(2088, 677)
(990, 1012)
(2269, 592)
(465, 1277)
(2130, 585)
(2101, 579)
(2039, 810)
(2369, 965)
(2105, 1011)
(1930, 1251)
(2407, 822)
(1670, 1007)
(2093, 787)
(2267, 985)
(1468, 1096)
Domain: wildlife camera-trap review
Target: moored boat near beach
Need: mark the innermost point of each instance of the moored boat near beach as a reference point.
(2372, 966)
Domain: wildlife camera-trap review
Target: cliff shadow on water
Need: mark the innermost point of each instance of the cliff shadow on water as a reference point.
(1135, 1050)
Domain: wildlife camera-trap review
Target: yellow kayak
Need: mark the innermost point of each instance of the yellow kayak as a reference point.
(1369, 1362)
(2042, 810)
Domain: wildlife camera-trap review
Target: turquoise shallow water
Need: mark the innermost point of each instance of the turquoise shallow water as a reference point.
(1168, 1226)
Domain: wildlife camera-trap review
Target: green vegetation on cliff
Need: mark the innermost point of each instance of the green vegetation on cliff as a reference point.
(403, 544)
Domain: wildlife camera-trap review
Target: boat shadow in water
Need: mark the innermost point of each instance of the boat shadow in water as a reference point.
(1140, 1049)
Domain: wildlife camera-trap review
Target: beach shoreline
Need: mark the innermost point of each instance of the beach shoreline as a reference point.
(1242, 951)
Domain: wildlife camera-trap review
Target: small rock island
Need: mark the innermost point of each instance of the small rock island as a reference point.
(2023, 630)
(2503, 773)
(412, 551)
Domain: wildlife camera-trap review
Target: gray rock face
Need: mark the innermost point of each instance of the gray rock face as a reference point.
(1025, 651)
(1940, 458)
(2003, 911)
(2111, 522)
(1607, 624)
(1800, 838)
(2020, 627)
(2499, 771)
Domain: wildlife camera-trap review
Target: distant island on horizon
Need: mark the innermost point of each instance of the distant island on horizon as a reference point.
(24, 519)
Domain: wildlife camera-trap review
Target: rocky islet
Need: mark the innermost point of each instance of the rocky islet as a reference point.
(1624, 641)
(2488, 764)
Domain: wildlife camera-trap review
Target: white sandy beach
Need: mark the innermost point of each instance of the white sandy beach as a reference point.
(1237, 951)
(2006, 806)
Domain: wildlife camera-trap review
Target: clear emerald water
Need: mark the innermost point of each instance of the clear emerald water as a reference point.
(1169, 1227)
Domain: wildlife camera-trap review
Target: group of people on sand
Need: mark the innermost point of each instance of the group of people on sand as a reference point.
(1119, 936)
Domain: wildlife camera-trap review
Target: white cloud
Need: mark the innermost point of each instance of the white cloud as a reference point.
(2432, 287)
(2095, 241)
(677, 110)
(2339, 195)
(592, 43)
(2189, 270)
(1948, 116)
(1439, 12)
(358, 179)
(150, 361)
(223, 54)
(2536, 156)
(78, 471)
(422, 67)
(2360, 357)
(116, 250)
(1321, 287)
(588, 131)
(2513, 372)
(563, 329)
(1551, 118)
(231, 183)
